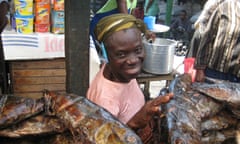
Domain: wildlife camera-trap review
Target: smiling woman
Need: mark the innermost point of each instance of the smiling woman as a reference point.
(115, 87)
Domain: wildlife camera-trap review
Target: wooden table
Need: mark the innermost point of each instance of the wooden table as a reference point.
(146, 78)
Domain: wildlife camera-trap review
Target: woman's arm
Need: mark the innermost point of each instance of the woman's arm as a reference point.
(144, 115)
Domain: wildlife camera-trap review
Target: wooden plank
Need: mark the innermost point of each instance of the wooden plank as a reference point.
(39, 72)
(43, 64)
(30, 78)
(39, 80)
(34, 95)
(38, 88)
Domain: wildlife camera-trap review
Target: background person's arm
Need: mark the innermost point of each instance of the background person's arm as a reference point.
(122, 6)
(149, 5)
(204, 50)
(4, 7)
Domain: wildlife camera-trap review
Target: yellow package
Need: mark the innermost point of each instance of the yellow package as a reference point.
(23, 7)
(24, 24)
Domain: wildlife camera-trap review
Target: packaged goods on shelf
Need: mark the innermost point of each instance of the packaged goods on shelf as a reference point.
(23, 7)
(23, 16)
(42, 28)
(58, 5)
(37, 16)
(42, 12)
(24, 24)
(44, 1)
(57, 22)
(42, 15)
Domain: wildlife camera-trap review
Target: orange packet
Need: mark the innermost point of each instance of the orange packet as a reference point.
(58, 5)
(42, 12)
(42, 28)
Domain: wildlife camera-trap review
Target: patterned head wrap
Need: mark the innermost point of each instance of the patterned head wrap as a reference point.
(116, 22)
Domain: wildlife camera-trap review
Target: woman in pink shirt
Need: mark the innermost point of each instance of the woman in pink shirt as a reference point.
(115, 87)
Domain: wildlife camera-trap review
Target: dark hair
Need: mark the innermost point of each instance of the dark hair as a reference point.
(181, 1)
(183, 11)
(141, 2)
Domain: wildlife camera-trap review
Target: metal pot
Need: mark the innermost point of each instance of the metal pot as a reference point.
(159, 56)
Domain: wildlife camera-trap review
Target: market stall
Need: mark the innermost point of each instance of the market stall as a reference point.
(32, 46)
(37, 62)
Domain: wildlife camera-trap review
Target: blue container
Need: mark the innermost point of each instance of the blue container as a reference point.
(149, 21)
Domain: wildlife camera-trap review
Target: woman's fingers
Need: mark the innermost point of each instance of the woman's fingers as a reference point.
(162, 99)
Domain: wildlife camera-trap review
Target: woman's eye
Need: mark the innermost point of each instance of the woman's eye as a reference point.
(120, 55)
(139, 50)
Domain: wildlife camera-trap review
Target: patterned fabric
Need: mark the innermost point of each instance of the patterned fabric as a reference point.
(138, 13)
(208, 9)
(219, 47)
(117, 22)
(200, 25)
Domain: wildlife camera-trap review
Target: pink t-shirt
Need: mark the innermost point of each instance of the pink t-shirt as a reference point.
(123, 100)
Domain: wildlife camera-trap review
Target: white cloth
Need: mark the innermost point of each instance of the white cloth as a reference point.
(94, 60)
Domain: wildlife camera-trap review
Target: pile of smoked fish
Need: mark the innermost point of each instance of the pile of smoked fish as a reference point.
(59, 119)
(202, 113)
(199, 113)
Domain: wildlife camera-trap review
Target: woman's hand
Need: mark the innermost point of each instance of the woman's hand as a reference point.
(150, 36)
(144, 115)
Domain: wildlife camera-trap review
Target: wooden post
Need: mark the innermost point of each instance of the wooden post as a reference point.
(77, 14)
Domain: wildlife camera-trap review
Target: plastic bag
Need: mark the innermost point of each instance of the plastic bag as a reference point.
(189, 67)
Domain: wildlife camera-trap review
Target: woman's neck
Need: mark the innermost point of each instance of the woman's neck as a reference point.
(110, 75)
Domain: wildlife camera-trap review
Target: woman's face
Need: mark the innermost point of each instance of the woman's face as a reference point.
(125, 53)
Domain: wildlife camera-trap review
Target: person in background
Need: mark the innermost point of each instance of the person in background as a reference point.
(218, 53)
(4, 7)
(115, 87)
(181, 27)
(138, 12)
(200, 25)
(151, 8)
